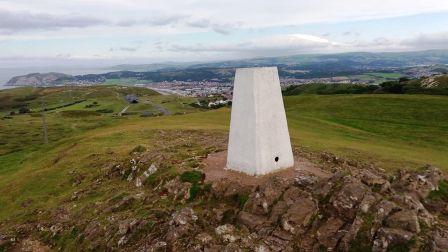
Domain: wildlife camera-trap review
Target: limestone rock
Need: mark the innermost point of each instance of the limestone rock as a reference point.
(374, 180)
(391, 237)
(177, 189)
(346, 200)
(305, 179)
(439, 241)
(204, 238)
(227, 233)
(181, 223)
(127, 226)
(250, 220)
(405, 219)
(262, 200)
(142, 178)
(29, 245)
(121, 205)
(298, 214)
(328, 234)
(419, 184)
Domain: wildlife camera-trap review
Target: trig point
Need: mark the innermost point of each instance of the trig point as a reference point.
(259, 139)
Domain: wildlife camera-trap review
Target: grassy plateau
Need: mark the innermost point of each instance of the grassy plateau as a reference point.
(86, 133)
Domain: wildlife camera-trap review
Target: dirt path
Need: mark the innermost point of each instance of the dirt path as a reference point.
(123, 110)
(215, 163)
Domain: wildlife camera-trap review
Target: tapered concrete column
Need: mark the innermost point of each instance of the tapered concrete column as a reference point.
(259, 139)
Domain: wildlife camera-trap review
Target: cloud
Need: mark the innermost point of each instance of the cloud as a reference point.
(221, 28)
(159, 20)
(19, 21)
(437, 40)
(304, 43)
(376, 44)
(124, 49)
(199, 23)
(187, 30)
(13, 22)
(267, 46)
(422, 41)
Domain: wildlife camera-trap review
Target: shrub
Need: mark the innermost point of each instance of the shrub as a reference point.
(24, 110)
(195, 190)
(79, 113)
(191, 176)
(104, 110)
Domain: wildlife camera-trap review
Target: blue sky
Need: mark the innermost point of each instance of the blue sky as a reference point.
(107, 32)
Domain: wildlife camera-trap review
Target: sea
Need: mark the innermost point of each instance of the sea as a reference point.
(7, 73)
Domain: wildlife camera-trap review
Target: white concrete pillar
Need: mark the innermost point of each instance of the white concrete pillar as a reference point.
(259, 139)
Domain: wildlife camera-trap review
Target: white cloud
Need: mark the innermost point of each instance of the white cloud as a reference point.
(437, 40)
(267, 46)
(192, 29)
(18, 21)
(218, 14)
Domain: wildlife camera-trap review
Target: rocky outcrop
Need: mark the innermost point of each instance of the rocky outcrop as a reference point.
(361, 210)
(353, 209)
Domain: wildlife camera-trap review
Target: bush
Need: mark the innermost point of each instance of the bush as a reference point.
(147, 114)
(104, 110)
(94, 104)
(24, 110)
(191, 176)
(79, 113)
(29, 97)
(394, 87)
(195, 190)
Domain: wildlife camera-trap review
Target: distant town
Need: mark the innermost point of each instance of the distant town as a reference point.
(205, 80)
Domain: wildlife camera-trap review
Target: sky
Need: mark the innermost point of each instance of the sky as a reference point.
(110, 32)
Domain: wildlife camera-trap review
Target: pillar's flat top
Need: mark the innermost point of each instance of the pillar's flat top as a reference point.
(256, 68)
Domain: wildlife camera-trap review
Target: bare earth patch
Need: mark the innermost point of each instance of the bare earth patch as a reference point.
(215, 163)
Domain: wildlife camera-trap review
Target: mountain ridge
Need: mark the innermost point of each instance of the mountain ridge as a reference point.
(303, 66)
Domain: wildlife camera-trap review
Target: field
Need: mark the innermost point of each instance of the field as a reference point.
(389, 131)
(376, 77)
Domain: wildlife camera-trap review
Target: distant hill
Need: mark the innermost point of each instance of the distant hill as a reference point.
(352, 60)
(361, 67)
(436, 85)
(152, 67)
(39, 79)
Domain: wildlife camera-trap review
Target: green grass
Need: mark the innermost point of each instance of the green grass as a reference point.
(442, 193)
(122, 81)
(386, 75)
(394, 131)
(377, 77)
(391, 131)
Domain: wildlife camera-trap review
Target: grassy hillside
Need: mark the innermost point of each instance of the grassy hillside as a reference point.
(436, 85)
(393, 131)
(390, 131)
